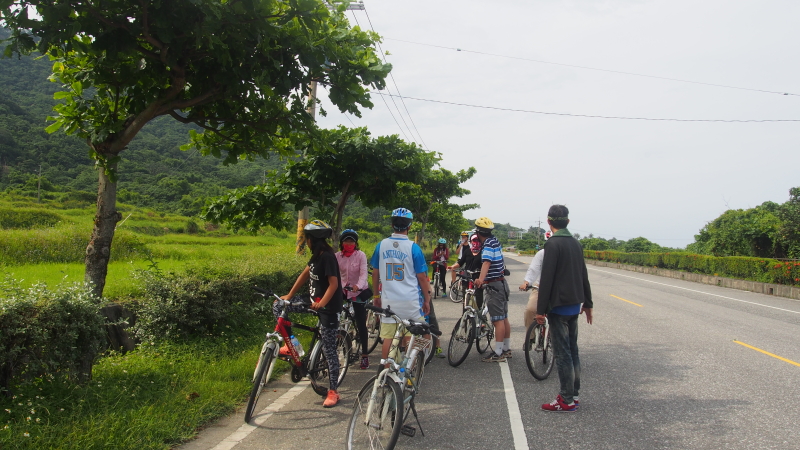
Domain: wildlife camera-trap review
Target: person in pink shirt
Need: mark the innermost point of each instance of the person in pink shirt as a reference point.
(353, 270)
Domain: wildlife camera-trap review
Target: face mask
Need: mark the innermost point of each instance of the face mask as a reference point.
(475, 246)
(349, 246)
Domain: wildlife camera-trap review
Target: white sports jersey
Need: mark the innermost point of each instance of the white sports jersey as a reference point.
(399, 260)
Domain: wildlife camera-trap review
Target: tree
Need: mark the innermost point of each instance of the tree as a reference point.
(737, 232)
(436, 189)
(342, 164)
(238, 69)
(593, 243)
(789, 214)
(640, 245)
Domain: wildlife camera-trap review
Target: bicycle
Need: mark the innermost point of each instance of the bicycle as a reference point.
(312, 364)
(386, 400)
(473, 326)
(459, 288)
(347, 323)
(539, 349)
(437, 277)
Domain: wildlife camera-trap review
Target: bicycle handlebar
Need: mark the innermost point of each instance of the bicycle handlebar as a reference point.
(409, 324)
(267, 293)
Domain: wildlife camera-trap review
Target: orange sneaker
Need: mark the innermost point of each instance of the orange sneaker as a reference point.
(284, 351)
(332, 399)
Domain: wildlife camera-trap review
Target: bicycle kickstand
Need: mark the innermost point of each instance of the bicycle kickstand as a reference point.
(416, 417)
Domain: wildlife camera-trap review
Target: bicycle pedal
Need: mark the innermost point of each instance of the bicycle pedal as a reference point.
(408, 430)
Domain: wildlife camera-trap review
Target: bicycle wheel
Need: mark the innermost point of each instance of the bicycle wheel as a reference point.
(381, 427)
(266, 361)
(373, 331)
(457, 292)
(538, 351)
(461, 340)
(318, 364)
(483, 341)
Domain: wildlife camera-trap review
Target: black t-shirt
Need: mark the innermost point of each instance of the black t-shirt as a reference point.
(471, 262)
(325, 266)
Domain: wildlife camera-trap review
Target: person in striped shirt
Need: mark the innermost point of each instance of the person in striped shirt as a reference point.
(496, 295)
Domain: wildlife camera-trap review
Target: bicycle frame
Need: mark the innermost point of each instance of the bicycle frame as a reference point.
(394, 372)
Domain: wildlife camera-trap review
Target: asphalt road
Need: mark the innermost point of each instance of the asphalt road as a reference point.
(667, 364)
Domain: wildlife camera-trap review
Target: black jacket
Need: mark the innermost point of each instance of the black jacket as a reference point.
(565, 280)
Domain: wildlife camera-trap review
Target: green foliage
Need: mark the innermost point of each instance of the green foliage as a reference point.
(344, 163)
(210, 298)
(26, 218)
(151, 398)
(640, 245)
(765, 270)
(429, 200)
(752, 232)
(595, 244)
(48, 332)
(789, 214)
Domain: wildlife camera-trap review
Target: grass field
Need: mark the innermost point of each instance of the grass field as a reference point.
(159, 394)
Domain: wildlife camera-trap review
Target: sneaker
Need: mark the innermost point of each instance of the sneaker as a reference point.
(331, 400)
(558, 405)
(364, 362)
(444, 295)
(493, 357)
(507, 354)
(439, 353)
(284, 351)
(577, 403)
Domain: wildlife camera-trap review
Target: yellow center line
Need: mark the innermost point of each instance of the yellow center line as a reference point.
(627, 301)
(767, 353)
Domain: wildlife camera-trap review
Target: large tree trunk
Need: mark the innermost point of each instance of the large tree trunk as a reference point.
(98, 251)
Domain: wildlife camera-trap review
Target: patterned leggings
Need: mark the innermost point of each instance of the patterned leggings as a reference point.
(329, 347)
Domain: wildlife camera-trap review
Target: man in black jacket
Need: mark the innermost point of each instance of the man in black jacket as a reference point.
(564, 294)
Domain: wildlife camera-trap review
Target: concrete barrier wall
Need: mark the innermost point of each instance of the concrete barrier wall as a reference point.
(779, 290)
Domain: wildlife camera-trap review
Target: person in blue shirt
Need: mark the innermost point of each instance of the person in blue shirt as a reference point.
(564, 294)
(496, 295)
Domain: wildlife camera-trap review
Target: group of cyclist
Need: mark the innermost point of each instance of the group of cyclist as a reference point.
(400, 278)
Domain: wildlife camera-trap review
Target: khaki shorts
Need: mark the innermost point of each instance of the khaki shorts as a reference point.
(388, 329)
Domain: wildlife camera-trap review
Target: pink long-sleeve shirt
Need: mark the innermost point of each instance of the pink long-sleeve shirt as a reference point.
(353, 270)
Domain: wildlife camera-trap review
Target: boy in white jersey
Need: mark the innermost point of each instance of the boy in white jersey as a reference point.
(402, 273)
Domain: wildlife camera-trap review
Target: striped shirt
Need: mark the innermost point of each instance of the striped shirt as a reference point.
(492, 252)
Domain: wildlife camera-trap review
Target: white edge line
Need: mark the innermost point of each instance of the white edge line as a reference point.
(693, 290)
(515, 418)
(238, 436)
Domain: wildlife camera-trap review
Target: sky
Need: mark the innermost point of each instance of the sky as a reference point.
(663, 180)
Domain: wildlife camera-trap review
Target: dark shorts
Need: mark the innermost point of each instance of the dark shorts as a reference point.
(497, 300)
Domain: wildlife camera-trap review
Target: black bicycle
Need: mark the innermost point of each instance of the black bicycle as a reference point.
(538, 348)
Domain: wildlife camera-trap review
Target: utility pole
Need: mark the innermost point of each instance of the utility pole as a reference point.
(303, 215)
(538, 234)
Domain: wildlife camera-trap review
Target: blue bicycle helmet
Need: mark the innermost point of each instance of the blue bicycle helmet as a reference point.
(348, 233)
(443, 241)
(401, 219)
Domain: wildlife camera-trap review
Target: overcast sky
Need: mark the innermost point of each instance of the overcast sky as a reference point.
(663, 180)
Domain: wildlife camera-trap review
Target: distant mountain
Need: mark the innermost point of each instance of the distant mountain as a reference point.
(153, 172)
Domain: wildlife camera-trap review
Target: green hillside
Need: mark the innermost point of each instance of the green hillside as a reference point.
(154, 172)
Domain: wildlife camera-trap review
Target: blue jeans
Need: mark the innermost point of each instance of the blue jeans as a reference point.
(564, 336)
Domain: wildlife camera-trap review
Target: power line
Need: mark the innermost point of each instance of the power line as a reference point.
(395, 85)
(384, 100)
(595, 68)
(595, 116)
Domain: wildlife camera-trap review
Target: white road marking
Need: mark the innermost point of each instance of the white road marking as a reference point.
(517, 429)
(693, 290)
(237, 436)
